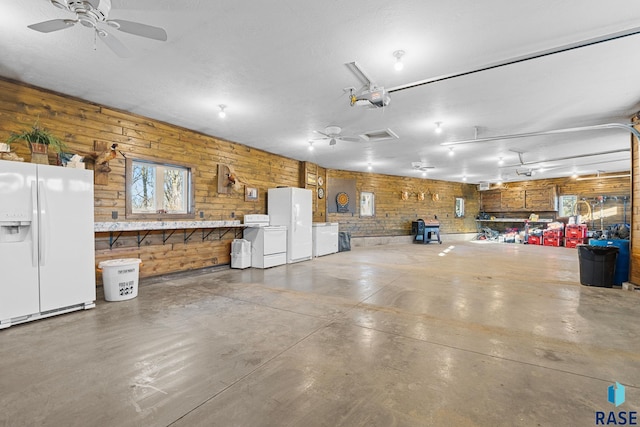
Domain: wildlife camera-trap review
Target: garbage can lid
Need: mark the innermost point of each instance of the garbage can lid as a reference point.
(119, 262)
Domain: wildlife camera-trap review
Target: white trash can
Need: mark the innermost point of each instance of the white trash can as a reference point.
(240, 253)
(120, 278)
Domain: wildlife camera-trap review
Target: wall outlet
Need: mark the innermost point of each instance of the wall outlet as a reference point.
(114, 214)
(233, 214)
(201, 214)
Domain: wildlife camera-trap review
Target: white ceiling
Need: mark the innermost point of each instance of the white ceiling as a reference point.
(280, 67)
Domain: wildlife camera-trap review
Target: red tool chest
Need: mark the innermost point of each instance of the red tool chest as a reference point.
(534, 240)
(573, 242)
(552, 241)
(576, 231)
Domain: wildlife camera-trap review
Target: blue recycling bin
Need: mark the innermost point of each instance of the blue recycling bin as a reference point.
(621, 273)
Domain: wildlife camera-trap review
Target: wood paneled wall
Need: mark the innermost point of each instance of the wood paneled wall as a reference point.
(393, 216)
(634, 267)
(616, 209)
(80, 123)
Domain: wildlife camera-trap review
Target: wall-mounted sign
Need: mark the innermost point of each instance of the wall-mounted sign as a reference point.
(342, 202)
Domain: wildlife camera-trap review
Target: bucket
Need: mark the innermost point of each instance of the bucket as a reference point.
(120, 278)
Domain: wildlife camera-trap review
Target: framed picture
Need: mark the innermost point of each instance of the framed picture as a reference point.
(459, 208)
(250, 194)
(311, 178)
(367, 204)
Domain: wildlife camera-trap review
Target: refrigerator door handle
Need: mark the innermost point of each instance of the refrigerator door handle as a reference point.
(296, 214)
(43, 237)
(34, 224)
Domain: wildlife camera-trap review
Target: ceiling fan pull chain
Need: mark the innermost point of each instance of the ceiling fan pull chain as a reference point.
(95, 40)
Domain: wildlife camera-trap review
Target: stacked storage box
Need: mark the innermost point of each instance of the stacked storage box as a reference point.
(575, 234)
(552, 237)
(534, 240)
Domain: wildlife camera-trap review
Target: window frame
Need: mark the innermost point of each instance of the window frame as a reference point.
(560, 204)
(191, 185)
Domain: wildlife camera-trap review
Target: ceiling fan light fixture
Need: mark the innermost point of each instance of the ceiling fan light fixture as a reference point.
(399, 65)
(222, 114)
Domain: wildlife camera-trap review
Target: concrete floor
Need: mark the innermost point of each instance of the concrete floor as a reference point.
(398, 335)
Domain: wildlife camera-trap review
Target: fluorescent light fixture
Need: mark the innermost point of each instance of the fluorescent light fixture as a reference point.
(589, 178)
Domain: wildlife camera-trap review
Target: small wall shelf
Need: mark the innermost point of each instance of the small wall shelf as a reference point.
(143, 228)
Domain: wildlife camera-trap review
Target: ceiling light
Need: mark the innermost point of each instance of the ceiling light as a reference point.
(451, 153)
(438, 127)
(222, 114)
(499, 183)
(369, 167)
(588, 178)
(398, 55)
(464, 178)
(310, 145)
(574, 175)
(501, 161)
(424, 173)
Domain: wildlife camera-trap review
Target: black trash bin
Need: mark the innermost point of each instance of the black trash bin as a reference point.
(597, 265)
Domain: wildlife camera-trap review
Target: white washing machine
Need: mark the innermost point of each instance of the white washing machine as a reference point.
(268, 242)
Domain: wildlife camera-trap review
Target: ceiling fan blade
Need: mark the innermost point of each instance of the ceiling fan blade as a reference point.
(349, 138)
(114, 44)
(53, 25)
(322, 133)
(139, 29)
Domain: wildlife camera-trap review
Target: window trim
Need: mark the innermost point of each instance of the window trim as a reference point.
(560, 204)
(191, 173)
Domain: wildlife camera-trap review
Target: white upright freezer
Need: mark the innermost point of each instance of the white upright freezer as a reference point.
(47, 246)
(292, 207)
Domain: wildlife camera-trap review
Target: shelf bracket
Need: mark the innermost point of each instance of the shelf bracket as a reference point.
(143, 237)
(165, 237)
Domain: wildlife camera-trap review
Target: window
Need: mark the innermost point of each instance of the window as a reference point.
(567, 205)
(459, 208)
(158, 190)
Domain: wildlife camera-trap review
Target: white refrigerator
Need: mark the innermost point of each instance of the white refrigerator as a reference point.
(47, 259)
(292, 208)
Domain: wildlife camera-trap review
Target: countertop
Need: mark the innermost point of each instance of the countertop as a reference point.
(161, 225)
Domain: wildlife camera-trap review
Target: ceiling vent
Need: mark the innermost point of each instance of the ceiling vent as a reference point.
(379, 135)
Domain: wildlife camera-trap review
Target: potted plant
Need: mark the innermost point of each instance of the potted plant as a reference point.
(39, 140)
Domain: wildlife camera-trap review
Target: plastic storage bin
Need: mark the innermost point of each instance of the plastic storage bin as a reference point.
(344, 241)
(597, 265)
(621, 274)
(240, 253)
(120, 278)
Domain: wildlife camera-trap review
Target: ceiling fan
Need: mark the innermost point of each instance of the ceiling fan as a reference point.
(421, 166)
(332, 134)
(94, 14)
